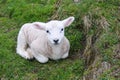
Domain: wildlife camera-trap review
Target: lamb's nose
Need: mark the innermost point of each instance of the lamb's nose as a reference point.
(56, 41)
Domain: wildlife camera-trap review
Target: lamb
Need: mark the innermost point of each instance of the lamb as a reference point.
(44, 41)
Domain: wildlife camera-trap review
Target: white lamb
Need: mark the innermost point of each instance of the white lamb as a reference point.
(44, 41)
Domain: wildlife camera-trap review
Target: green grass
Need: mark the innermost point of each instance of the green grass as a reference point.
(14, 13)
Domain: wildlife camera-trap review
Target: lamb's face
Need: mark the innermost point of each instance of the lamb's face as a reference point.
(54, 29)
(55, 32)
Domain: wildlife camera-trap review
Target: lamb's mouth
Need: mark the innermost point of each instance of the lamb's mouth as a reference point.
(56, 43)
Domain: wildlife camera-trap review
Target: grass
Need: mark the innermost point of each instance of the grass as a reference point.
(14, 13)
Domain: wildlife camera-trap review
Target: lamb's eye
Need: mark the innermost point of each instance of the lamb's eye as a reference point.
(62, 29)
(47, 31)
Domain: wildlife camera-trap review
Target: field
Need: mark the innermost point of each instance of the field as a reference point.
(95, 20)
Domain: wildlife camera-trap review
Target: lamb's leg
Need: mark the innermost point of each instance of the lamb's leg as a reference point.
(22, 47)
(65, 55)
(41, 58)
(30, 53)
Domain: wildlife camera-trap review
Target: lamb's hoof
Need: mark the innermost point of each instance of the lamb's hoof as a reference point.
(31, 59)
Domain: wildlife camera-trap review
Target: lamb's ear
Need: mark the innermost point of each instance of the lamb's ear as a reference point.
(39, 25)
(68, 21)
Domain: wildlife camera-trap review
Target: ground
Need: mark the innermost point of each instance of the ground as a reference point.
(98, 13)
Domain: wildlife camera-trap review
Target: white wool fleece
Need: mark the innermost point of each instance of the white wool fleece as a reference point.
(44, 40)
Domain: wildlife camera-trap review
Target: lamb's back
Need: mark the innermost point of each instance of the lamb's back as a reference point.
(31, 33)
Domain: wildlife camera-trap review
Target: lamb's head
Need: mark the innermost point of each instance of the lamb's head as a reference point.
(55, 29)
